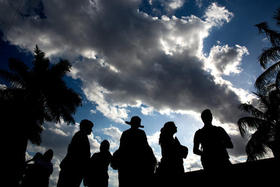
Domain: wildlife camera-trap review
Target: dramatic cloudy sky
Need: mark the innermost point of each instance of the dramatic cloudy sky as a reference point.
(164, 60)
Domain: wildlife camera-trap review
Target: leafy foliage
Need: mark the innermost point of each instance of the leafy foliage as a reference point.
(36, 95)
(264, 120)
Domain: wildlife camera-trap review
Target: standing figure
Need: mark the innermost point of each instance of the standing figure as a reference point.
(97, 174)
(136, 159)
(214, 142)
(73, 166)
(171, 170)
(38, 173)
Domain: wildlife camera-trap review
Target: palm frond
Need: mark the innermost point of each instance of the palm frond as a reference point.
(277, 16)
(263, 100)
(266, 77)
(13, 79)
(272, 35)
(247, 123)
(252, 110)
(255, 149)
(259, 142)
(262, 27)
(269, 54)
(277, 81)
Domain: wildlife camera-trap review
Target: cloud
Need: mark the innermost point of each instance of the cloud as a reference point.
(92, 111)
(224, 60)
(154, 138)
(126, 59)
(147, 110)
(129, 56)
(113, 178)
(3, 86)
(165, 6)
(192, 162)
(115, 134)
(175, 4)
(199, 3)
(216, 15)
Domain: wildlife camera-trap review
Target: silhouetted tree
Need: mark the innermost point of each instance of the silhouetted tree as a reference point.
(270, 78)
(265, 117)
(264, 121)
(33, 96)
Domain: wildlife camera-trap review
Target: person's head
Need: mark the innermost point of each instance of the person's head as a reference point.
(135, 122)
(104, 146)
(86, 126)
(167, 131)
(207, 117)
(169, 127)
(48, 155)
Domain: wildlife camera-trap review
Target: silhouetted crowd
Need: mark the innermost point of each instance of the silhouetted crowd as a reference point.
(134, 159)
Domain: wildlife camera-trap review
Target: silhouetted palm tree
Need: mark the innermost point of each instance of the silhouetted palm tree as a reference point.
(33, 96)
(265, 116)
(270, 78)
(263, 124)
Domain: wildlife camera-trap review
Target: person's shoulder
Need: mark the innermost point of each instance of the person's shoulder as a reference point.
(95, 157)
(127, 131)
(95, 154)
(219, 128)
(76, 136)
(141, 131)
(199, 131)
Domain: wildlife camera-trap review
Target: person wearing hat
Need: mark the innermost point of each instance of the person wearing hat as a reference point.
(73, 166)
(137, 160)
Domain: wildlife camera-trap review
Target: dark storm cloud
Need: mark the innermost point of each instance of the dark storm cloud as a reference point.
(129, 56)
(239, 146)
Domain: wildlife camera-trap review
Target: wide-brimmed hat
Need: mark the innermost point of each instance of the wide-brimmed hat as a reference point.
(135, 121)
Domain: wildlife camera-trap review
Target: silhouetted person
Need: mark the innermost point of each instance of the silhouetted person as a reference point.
(73, 166)
(97, 174)
(171, 170)
(214, 142)
(30, 169)
(136, 158)
(38, 173)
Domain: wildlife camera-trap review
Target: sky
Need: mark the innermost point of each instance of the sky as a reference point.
(163, 60)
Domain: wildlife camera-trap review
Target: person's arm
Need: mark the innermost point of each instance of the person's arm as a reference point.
(196, 143)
